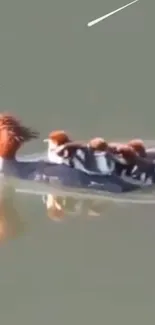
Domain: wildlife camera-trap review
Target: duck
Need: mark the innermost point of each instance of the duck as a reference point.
(13, 134)
(56, 141)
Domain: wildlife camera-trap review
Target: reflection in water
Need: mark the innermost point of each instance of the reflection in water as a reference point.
(58, 207)
(54, 207)
(11, 225)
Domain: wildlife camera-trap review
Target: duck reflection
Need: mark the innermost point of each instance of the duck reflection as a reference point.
(55, 207)
(11, 225)
(59, 207)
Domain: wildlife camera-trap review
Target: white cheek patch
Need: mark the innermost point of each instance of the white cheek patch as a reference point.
(52, 145)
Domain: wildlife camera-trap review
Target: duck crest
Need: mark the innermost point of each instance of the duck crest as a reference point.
(12, 135)
(59, 137)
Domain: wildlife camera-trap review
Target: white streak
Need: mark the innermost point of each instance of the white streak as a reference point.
(93, 22)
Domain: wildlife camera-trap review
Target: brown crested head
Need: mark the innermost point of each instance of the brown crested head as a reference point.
(98, 144)
(59, 137)
(138, 146)
(13, 134)
(127, 152)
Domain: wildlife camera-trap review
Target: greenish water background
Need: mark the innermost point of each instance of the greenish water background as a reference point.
(57, 73)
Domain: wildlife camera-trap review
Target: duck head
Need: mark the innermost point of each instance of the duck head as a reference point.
(98, 144)
(56, 139)
(13, 134)
(138, 146)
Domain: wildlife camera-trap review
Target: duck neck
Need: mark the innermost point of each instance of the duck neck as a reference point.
(54, 157)
(49, 154)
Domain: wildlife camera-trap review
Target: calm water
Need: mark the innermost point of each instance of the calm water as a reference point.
(57, 73)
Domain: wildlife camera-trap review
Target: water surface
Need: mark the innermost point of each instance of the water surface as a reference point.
(57, 73)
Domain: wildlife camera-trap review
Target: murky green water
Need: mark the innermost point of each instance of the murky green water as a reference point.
(57, 73)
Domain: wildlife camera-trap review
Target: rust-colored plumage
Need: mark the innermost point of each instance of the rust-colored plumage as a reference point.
(138, 146)
(13, 134)
(127, 152)
(98, 144)
(59, 137)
